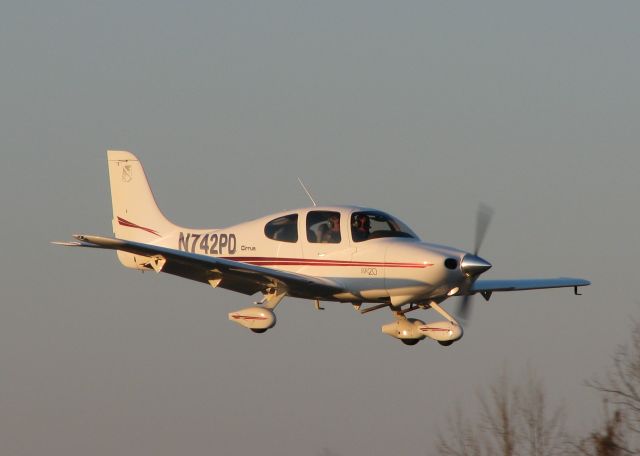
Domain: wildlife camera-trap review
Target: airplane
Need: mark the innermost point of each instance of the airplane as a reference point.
(344, 254)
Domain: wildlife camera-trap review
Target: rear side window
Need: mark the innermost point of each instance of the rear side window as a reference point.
(283, 229)
(323, 227)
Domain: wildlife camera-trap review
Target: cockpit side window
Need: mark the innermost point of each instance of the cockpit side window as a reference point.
(283, 229)
(323, 227)
(374, 225)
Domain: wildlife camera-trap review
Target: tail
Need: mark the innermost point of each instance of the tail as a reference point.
(136, 216)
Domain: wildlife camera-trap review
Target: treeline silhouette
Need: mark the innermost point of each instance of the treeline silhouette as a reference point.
(517, 418)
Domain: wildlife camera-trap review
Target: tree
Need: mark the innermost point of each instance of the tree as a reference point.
(621, 386)
(620, 431)
(541, 431)
(610, 441)
(514, 420)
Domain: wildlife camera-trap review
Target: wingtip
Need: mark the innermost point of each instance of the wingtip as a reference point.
(578, 282)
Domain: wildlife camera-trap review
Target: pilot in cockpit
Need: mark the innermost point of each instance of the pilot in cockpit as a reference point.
(361, 227)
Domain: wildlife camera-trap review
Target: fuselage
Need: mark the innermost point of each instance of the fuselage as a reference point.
(373, 255)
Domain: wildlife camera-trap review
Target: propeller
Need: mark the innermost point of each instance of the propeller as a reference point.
(483, 219)
(472, 265)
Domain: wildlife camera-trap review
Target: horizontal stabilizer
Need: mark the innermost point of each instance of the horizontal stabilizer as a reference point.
(76, 244)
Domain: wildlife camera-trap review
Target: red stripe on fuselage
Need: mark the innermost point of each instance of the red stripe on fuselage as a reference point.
(270, 261)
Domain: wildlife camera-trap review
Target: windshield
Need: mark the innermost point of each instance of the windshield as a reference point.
(373, 225)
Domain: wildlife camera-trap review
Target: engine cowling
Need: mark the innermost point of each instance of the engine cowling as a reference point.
(257, 319)
(442, 331)
(407, 330)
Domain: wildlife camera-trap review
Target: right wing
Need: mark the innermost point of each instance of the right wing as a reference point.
(233, 275)
(489, 286)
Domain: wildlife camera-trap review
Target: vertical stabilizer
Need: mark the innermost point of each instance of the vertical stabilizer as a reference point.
(136, 216)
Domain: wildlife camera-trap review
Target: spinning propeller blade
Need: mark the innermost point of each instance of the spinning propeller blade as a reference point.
(483, 218)
(473, 265)
(464, 310)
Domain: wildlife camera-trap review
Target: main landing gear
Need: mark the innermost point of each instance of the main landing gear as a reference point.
(410, 331)
(260, 317)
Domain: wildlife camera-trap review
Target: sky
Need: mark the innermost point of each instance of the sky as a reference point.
(423, 109)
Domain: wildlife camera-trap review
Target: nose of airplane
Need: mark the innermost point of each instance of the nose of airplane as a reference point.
(473, 265)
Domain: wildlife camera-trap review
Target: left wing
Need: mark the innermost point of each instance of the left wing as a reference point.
(489, 286)
(233, 275)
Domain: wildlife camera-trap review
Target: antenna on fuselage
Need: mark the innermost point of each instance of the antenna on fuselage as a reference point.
(307, 192)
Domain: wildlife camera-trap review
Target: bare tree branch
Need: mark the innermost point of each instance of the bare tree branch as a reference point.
(541, 432)
(621, 386)
(459, 440)
(513, 421)
(611, 440)
(499, 415)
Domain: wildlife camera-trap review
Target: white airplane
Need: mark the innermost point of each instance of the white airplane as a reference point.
(344, 254)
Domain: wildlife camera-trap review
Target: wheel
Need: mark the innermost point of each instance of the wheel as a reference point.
(445, 344)
(258, 331)
(410, 341)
